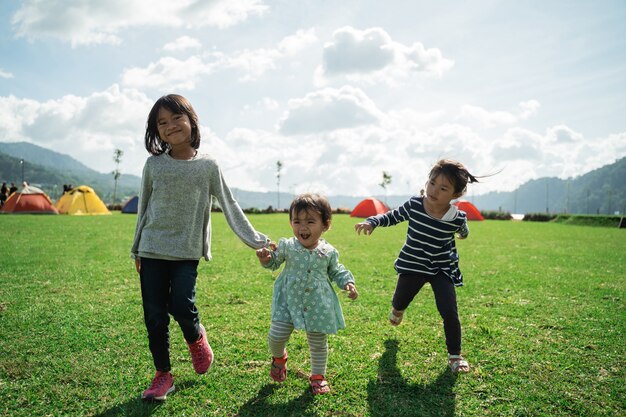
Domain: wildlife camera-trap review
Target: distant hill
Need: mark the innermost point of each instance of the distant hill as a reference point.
(49, 170)
(44, 157)
(600, 191)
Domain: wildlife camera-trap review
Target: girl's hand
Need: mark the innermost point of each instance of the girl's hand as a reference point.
(138, 264)
(265, 254)
(352, 292)
(365, 227)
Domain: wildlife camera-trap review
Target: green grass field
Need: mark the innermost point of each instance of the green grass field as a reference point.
(543, 315)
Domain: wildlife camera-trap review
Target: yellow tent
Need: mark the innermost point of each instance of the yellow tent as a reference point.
(81, 200)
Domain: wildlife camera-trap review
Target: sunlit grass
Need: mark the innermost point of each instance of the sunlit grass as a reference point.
(543, 316)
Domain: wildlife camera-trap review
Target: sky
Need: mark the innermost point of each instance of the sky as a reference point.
(338, 91)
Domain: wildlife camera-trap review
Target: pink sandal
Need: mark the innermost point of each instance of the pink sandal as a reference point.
(278, 371)
(319, 385)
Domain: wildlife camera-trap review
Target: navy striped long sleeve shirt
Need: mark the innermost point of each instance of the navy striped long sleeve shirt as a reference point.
(430, 247)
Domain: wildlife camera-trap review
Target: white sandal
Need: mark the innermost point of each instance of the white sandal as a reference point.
(457, 364)
(395, 320)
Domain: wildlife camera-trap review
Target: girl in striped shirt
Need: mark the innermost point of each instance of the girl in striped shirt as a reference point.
(429, 253)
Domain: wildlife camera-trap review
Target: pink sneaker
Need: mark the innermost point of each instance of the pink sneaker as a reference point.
(201, 353)
(162, 384)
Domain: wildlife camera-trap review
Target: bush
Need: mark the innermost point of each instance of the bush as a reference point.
(539, 217)
(252, 210)
(588, 220)
(496, 215)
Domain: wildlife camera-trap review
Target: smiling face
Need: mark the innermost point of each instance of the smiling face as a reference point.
(307, 227)
(174, 128)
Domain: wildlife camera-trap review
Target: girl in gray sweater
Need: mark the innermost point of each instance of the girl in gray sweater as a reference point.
(174, 231)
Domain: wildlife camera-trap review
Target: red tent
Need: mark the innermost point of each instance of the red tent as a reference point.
(369, 207)
(470, 210)
(29, 200)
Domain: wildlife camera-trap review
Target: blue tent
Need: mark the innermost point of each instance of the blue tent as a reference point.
(131, 205)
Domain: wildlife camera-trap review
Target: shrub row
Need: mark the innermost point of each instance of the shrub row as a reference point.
(496, 215)
(576, 219)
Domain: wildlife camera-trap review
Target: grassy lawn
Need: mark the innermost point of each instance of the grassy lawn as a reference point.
(543, 314)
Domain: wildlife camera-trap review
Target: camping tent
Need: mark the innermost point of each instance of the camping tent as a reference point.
(369, 207)
(470, 210)
(81, 200)
(131, 205)
(29, 200)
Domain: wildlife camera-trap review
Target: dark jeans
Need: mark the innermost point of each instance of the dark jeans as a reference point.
(445, 298)
(168, 287)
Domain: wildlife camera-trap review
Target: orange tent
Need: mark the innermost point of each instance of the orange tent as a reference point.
(369, 207)
(29, 200)
(470, 210)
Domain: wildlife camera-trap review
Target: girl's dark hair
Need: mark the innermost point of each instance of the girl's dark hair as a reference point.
(454, 172)
(314, 202)
(178, 105)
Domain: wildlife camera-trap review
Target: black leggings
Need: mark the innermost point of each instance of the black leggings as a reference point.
(445, 298)
(168, 287)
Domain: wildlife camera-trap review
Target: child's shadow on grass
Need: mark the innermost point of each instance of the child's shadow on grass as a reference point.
(260, 406)
(136, 407)
(391, 395)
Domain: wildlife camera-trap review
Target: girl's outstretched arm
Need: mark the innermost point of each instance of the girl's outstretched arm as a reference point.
(367, 228)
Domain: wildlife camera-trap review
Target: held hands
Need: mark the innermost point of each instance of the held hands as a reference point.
(265, 254)
(352, 292)
(365, 227)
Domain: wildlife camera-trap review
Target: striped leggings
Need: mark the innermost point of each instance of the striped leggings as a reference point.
(318, 345)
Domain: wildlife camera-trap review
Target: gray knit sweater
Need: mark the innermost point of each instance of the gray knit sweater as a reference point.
(174, 212)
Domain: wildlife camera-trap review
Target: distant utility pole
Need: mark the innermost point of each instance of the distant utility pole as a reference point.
(117, 158)
(279, 166)
(22, 164)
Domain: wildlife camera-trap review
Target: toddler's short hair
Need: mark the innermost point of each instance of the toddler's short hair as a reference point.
(315, 202)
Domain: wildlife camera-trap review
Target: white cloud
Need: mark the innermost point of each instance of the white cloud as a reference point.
(484, 118)
(562, 134)
(528, 108)
(182, 43)
(221, 13)
(290, 45)
(254, 63)
(168, 74)
(84, 22)
(371, 55)
(517, 144)
(84, 127)
(329, 109)
(559, 152)
(333, 152)
(5, 74)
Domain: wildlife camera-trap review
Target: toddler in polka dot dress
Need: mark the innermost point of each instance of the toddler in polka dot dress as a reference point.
(303, 296)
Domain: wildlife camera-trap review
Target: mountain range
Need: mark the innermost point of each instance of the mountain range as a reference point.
(601, 191)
